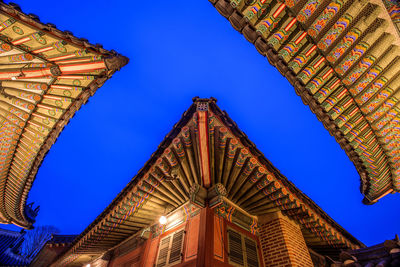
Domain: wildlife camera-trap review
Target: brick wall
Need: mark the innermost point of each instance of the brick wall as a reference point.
(282, 242)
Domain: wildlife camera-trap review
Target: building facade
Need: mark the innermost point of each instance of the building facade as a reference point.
(208, 197)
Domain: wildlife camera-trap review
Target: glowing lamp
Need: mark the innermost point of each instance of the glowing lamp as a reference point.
(163, 220)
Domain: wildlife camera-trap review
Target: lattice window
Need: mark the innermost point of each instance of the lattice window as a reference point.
(242, 250)
(170, 249)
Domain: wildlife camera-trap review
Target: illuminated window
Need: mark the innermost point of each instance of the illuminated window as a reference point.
(242, 250)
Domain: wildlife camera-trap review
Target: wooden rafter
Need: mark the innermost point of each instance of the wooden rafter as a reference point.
(341, 58)
(45, 77)
(252, 187)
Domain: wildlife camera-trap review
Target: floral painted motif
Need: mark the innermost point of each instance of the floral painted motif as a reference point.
(38, 37)
(237, 3)
(382, 109)
(369, 77)
(375, 87)
(334, 32)
(350, 59)
(17, 30)
(356, 73)
(267, 25)
(35, 86)
(60, 46)
(7, 133)
(20, 114)
(278, 37)
(308, 9)
(291, 3)
(389, 137)
(29, 97)
(4, 47)
(387, 118)
(344, 44)
(324, 18)
(20, 57)
(394, 12)
(379, 98)
(23, 104)
(387, 128)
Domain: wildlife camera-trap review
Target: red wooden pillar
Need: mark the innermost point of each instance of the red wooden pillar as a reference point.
(206, 238)
(149, 252)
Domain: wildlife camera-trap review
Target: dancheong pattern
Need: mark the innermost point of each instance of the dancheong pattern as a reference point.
(340, 56)
(393, 8)
(39, 98)
(319, 24)
(334, 32)
(241, 188)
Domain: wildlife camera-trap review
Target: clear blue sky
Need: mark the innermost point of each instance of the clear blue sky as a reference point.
(178, 51)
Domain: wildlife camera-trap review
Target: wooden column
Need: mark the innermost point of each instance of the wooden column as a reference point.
(146, 251)
(206, 238)
(150, 252)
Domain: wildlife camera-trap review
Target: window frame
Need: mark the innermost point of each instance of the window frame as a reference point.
(244, 234)
(170, 233)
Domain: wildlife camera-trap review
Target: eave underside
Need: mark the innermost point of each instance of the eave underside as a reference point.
(341, 58)
(178, 169)
(45, 77)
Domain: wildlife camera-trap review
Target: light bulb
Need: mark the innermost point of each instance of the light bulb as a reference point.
(163, 220)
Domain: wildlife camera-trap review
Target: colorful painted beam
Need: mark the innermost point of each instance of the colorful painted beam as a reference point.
(46, 76)
(346, 72)
(254, 187)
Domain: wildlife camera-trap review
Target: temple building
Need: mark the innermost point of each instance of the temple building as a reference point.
(208, 197)
(342, 58)
(46, 75)
(380, 255)
(40, 253)
(50, 250)
(10, 242)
